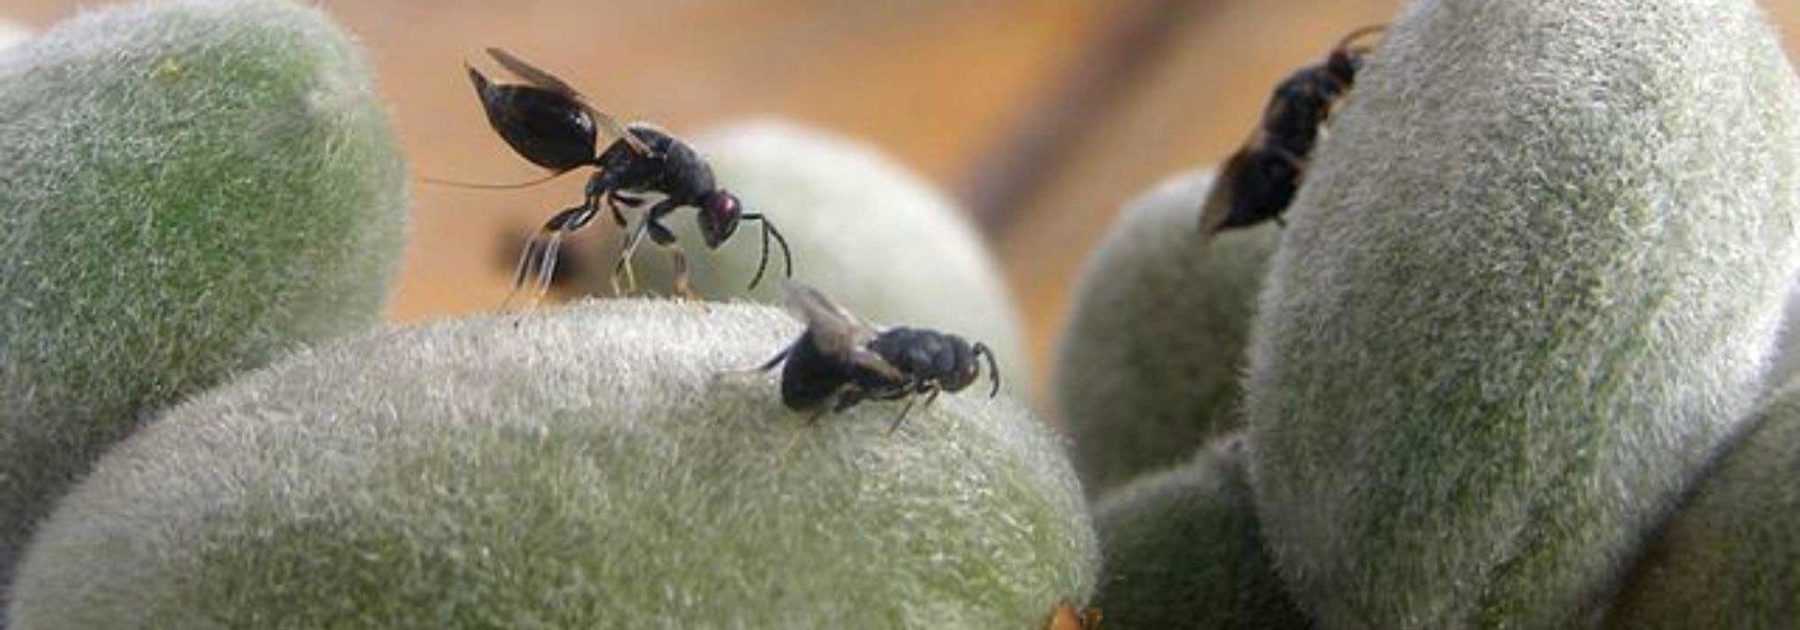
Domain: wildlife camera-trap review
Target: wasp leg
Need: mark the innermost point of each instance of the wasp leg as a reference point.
(543, 247)
(547, 266)
(603, 190)
(850, 398)
(933, 390)
(651, 220)
(528, 251)
(620, 202)
(682, 289)
(661, 235)
(900, 418)
(618, 213)
(623, 265)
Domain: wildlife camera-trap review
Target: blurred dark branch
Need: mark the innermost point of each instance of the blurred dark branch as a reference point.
(1010, 174)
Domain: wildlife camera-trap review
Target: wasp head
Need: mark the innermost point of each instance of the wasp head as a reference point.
(719, 216)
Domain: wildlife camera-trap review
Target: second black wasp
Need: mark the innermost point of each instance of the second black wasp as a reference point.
(1259, 181)
(550, 124)
(840, 357)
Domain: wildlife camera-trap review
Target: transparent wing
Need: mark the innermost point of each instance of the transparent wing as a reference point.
(1216, 207)
(836, 331)
(531, 74)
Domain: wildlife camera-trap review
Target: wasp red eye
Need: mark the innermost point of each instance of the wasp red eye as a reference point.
(719, 217)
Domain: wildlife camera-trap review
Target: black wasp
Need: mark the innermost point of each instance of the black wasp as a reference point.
(553, 126)
(839, 355)
(1259, 181)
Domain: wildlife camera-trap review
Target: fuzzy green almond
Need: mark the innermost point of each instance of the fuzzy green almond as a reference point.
(12, 33)
(1148, 367)
(1527, 292)
(875, 236)
(1784, 364)
(605, 465)
(1182, 550)
(1727, 558)
(192, 188)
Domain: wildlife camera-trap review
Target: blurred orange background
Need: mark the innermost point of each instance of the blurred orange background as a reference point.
(1043, 117)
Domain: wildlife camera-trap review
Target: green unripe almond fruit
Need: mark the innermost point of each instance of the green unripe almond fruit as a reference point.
(602, 465)
(12, 33)
(1727, 558)
(1784, 362)
(192, 188)
(1148, 367)
(1182, 550)
(1525, 294)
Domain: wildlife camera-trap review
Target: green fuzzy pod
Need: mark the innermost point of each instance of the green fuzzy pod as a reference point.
(192, 188)
(1139, 388)
(1183, 550)
(596, 466)
(865, 230)
(1729, 557)
(1526, 293)
(1785, 363)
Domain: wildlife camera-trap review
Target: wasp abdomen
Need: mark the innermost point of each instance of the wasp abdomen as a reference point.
(810, 377)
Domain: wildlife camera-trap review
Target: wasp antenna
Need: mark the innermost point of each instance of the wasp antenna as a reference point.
(787, 257)
(993, 367)
(1359, 34)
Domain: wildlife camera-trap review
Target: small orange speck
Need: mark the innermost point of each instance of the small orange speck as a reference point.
(1066, 617)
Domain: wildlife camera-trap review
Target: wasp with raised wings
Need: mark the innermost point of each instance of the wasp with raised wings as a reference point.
(553, 126)
(838, 355)
(1259, 181)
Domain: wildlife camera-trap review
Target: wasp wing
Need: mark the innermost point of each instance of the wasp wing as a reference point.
(836, 331)
(545, 80)
(1215, 209)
